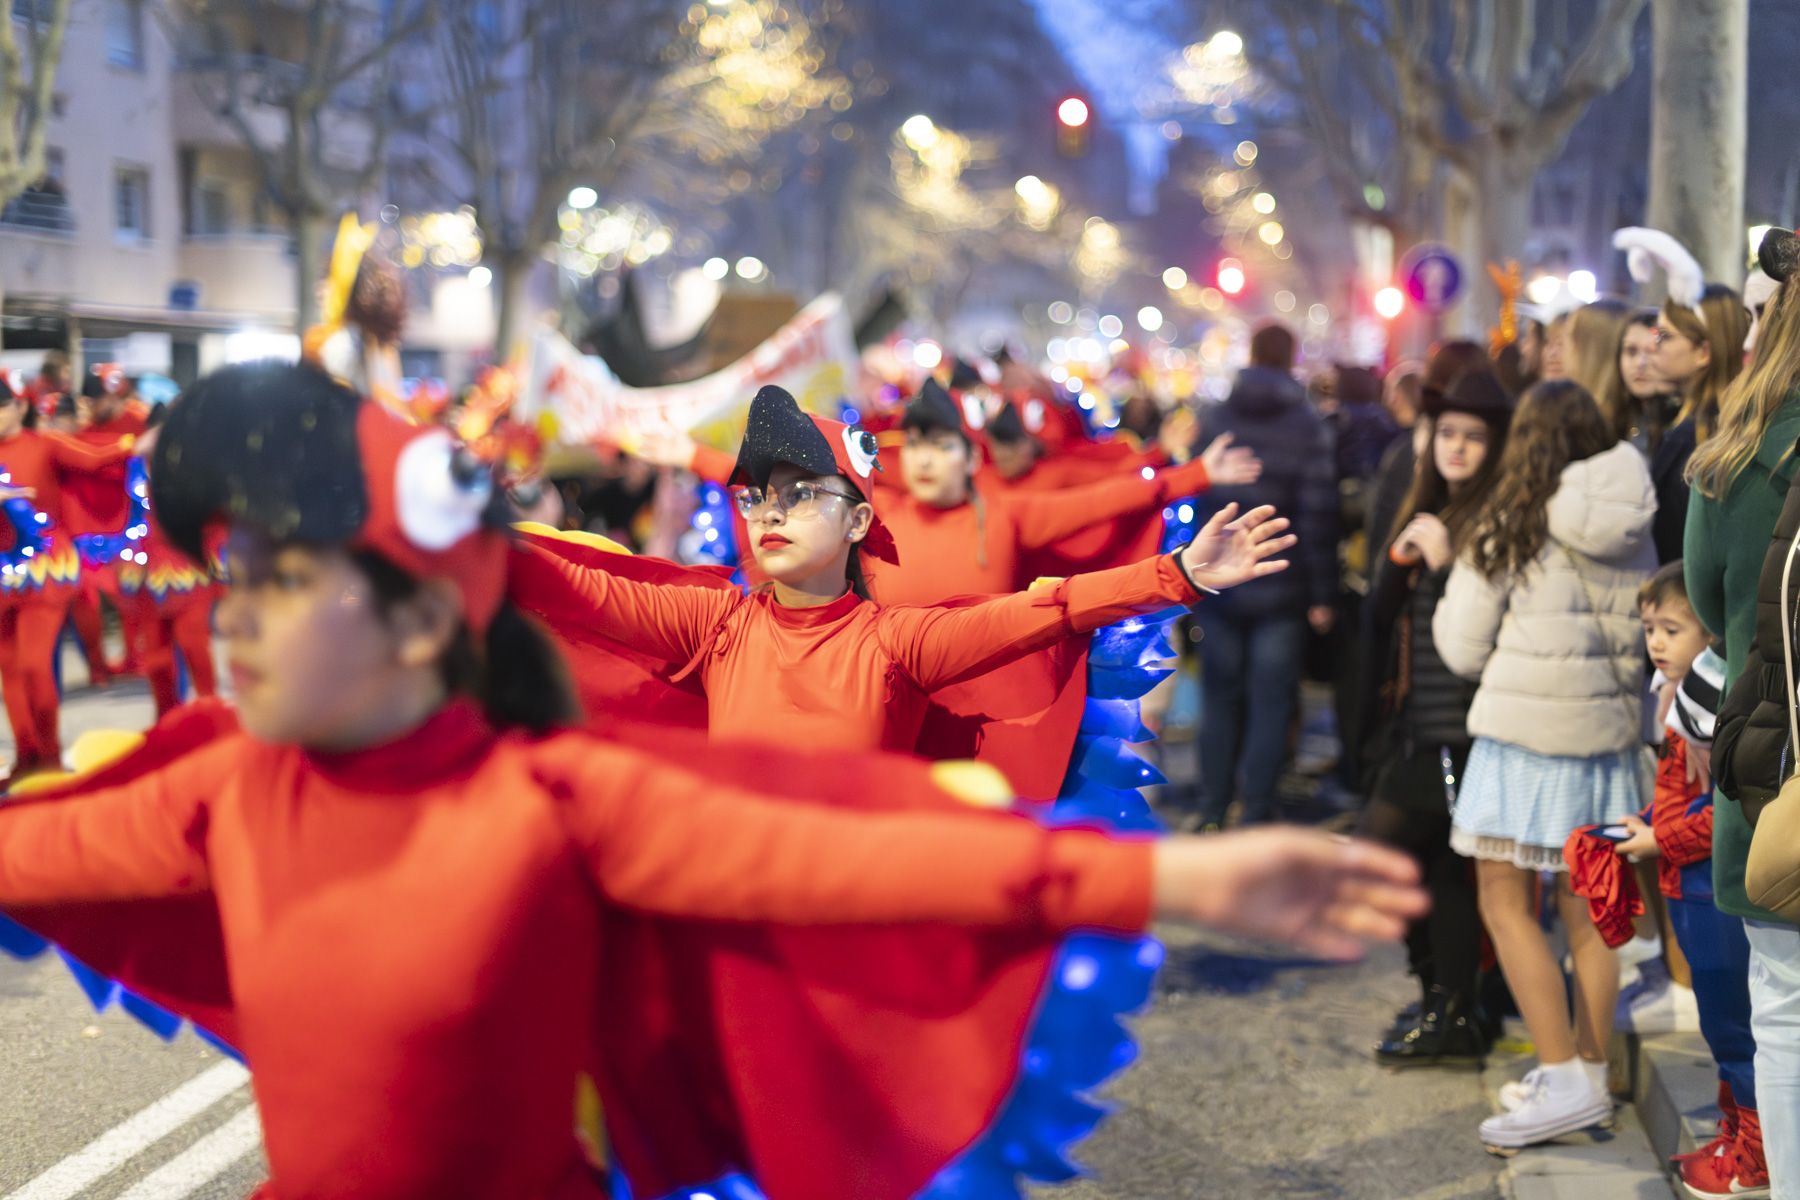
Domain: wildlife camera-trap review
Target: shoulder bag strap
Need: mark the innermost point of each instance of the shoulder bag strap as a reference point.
(1790, 699)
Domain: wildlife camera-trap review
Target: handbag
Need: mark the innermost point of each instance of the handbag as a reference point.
(1772, 870)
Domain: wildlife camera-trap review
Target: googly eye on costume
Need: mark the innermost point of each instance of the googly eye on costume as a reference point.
(974, 413)
(437, 499)
(862, 449)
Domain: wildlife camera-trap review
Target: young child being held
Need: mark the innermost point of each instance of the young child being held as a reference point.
(1679, 836)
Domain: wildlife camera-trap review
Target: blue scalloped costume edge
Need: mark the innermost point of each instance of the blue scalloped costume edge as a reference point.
(1076, 1040)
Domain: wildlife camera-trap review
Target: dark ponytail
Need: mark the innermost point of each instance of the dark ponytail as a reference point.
(517, 676)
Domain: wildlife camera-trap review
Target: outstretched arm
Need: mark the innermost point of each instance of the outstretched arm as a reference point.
(662, 839)
(658, 838)
(659, 608)
(940, 646)
(1045, 518)
(139, 840)
(72, 455)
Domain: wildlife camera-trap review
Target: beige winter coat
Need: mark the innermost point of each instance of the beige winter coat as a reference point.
(1560, 654)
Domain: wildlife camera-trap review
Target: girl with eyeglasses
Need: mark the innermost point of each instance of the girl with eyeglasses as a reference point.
(811, 648)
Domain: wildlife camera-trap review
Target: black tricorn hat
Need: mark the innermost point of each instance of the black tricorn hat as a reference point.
(777, 431)
(964, 374)
(932, 409)
(1478, 393)
(272, 445)
(1008, 425)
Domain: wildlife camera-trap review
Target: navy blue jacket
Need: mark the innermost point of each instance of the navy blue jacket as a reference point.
(1268, 412)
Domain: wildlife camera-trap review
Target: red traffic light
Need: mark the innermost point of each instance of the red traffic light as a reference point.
(1072, 112)
(1231, 276)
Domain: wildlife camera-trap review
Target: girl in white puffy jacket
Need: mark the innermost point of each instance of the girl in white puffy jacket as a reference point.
(1542, 609)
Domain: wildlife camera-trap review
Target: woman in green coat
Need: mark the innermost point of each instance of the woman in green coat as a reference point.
(1740, 478)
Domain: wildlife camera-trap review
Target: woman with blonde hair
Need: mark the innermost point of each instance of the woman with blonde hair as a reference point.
(1594, 333)
(1740, 477)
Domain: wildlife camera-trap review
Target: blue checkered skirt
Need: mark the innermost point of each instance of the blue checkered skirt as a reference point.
(1519, 806)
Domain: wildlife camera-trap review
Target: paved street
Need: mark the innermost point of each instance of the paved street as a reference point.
(1254, 1081)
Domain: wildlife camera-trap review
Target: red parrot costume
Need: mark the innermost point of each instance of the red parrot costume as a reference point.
(39, 584)
(420, 946)
(97, 504)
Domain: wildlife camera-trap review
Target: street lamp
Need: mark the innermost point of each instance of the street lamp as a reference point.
(1175, 279)
(1390, 302)
(919, 132)
(1231, 277)
(1150, 318)
(1584, 286)
(583, 198)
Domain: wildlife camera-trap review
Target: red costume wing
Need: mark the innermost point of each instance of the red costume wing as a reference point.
(1021, 718)
(612, 680)
(169, 951)
(824, 1062)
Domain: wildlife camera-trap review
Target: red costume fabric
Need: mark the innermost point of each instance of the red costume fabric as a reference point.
(1681, 816)
(95, 502)
(534, 905)
(1597, 872)
(166, 605)
(852, 674)
(984, 547)
(36, 596)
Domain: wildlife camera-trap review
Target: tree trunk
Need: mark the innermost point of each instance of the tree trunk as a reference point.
(1697, 130)
(511, 287)
(309, 267)
(1487, 218)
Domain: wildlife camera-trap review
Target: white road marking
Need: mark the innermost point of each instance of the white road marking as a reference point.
(203, 1162)
(137, 1133)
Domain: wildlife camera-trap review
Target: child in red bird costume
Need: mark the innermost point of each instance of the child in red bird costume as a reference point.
(421, 907)
(42, 576)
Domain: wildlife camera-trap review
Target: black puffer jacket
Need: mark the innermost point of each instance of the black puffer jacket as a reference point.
(1268, 412)
(1424, 704)
(1751, 755)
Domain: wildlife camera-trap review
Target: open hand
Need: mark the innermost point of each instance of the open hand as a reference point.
(1641, 843)
(1230, 549)
(1228, 465)
(16, 493)
(1324, 895)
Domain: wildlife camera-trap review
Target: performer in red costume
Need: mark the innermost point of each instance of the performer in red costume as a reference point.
(42, 575)
(166, 601)
(420, 908)
(96, 504)
(812, 649)
(957, 539)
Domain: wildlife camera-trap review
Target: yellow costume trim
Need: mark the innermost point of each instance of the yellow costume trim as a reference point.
(978, 784)
(92, 751)
(578, 537)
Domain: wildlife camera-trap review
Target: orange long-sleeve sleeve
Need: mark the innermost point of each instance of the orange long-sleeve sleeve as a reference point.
(1045, 518)
(669, 621)
(72, 455)
(137, 841)
(661, 840)
(941, 646)
(714, 466)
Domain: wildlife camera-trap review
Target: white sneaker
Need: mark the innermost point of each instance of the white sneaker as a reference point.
(1669, 1008)
(1514, 1094)
(1548, 1112)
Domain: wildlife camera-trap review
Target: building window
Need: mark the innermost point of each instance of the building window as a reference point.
(53, 166)
(212, 209)
(125, 33)
(131, 202)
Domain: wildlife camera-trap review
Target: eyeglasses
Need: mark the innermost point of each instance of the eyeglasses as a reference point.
(796, 499)
(1664, 334)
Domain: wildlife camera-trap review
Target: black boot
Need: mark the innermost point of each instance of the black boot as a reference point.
(1446, 1034)
(1407, 1018)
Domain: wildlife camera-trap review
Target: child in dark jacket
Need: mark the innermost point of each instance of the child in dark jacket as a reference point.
(1679, 836)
